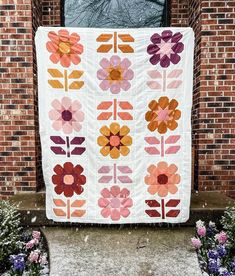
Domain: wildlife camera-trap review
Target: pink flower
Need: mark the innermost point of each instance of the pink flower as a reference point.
(34, 256)
(221, 237)
(43, 260)
(196, 243)
(31, 244)
(115, 202)
(115, 74)
(66, 115)
(199, 223)
(36, 235)
(201, 231)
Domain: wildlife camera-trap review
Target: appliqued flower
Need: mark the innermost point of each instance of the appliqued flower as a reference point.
(162, 179)
(115, 202)
(68, 179)
(163, 115)
(165, 48)
(67, 115)
(115, 74)
(114, 140)
(64, 47)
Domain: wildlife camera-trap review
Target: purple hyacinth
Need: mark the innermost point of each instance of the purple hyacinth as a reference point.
(232, 265)
(224, 272)
(213, 254)
(18, 262)
(221, 250)
(213, 265)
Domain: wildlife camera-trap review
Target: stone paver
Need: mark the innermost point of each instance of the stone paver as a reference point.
(126, 251)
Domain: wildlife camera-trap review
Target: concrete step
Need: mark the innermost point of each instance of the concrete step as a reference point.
(139, 251)
(204, 205)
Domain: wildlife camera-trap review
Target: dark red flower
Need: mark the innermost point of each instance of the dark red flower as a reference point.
(165, 48)
(68, 179)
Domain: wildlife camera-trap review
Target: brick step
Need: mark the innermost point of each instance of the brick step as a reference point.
(204, 205)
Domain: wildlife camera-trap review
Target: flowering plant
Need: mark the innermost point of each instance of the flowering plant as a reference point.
(214, 250)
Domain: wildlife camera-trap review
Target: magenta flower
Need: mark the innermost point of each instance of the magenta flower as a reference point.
(196, 243)
(31, 243)
(201, 231)
(36, 235)
(165, 48)
(115, 203)
(115, 74)
(221, 237)
(66, 115)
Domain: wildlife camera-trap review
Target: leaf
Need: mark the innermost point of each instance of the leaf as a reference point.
(126, 38)
(55, 84)
(77, 140)
(78, 213)
(78, 203)
(172, 139)
(124, 179)
(172, 150)
(154, 74)
(154, 85)
(152, 150)
(76, 74)
(152, 203)
(124, 169)
(125, 105)
(78, 151)
(175, 73)
(125, 48)
(104, 48)
(55, 73)
(125, 116)
(59, 202)
(105, 179)
(174, 84)
(173, 203)
(152, 140)
(76, 85)
(104, 105)
(104, 37)
(153, 213)
(58, 150)
(57, 140)
(104, 116)
(59, 212)
(173, 213)
(104, 169)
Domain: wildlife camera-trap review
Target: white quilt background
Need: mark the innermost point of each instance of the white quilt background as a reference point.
(151, 182)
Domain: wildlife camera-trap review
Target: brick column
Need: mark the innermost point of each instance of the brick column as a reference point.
(18, 155)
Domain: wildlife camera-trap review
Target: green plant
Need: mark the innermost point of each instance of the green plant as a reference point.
(10, 231)
(228, 222)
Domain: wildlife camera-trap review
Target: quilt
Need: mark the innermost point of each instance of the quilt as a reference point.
(115, 123)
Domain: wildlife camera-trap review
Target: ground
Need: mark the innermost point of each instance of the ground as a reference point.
(124, 250)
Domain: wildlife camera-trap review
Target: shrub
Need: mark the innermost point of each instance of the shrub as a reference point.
(228, 222)
(9, 233)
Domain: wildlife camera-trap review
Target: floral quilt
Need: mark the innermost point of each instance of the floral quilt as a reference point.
(115, 123)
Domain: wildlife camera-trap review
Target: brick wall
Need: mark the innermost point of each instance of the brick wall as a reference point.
(17, 99)
(51, 15)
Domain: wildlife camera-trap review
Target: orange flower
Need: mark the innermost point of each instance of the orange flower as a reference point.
(64, 47)
(162, 179)
(114, 140)
(163, 115)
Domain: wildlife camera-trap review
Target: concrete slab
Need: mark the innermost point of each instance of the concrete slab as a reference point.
(107, 251)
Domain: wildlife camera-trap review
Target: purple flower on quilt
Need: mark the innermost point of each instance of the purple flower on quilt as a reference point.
(165, 48)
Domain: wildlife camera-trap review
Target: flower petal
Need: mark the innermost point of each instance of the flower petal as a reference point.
(128, 74)
(64, 35)
(51, 47)
(162, 191)
(153, 189)
(172, 169)
(114, 128)
(115, 87)
(172, 189)
(105, 131)
(115, 214)
(154, 59)
(105, 150)
(76, 105)
(106, 193)
(75, 59)
(102, 141)
(105, 85)
(115, 190)
(68, 167)
(106, 212)
(76, 126)
(127, 202)
(125, 85)
(66, 102)
(78, 116)
(65, 60)
(104, 63)
(124, 150)
(74, 38)
(124, 212)
(54, 114)
(126, 140)
(67, 128)
(57, 105)
(58, 169)
(102, 74)
(55, 57)
(114, 153)
(103, 202)
(68, 191)
(125, 63)
(124, 130)
(162, 166)
(115, 60)
(57, 125)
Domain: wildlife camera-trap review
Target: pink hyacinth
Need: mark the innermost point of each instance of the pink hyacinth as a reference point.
(34, 256)
(36, 235)
(201, 231)
(221, 237)
(196, 243)
(30, 244)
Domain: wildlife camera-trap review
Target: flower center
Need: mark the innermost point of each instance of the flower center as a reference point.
(165, 48)
(64, 47)
(114, 141)
(115, 203)
(66, 115)
(162, 179)
(115, 74)
(68, 179)
(163, 115)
